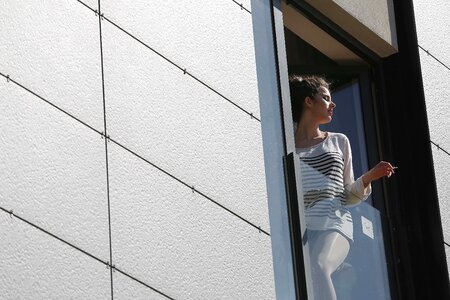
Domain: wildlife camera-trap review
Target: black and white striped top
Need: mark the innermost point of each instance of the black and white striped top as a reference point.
(329, 185)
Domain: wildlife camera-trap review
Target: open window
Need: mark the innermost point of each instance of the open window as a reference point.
(398, 249)
(312, 51)
(308, 49)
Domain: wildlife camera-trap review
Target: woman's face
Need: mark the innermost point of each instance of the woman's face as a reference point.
(322, 106)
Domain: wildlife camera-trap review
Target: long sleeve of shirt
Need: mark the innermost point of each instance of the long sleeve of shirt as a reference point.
(355, 191)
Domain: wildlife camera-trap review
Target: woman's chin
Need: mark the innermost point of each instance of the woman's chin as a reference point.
(327, 120)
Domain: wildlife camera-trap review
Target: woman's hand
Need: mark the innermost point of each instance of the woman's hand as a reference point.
(383, 168)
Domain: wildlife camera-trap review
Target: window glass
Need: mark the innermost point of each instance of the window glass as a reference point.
(363, 275)
(357, 262)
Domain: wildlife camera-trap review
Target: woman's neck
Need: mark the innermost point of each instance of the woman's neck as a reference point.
(308, 134)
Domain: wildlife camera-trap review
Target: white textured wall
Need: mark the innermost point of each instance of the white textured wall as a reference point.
(377, 15)
(370, 22)
(433, 23)
(53, 168)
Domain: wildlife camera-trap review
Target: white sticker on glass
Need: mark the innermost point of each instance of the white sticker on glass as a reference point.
(367, 227)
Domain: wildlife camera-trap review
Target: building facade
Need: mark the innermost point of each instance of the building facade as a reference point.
(132, 163)
(434, 62)
(147, 148)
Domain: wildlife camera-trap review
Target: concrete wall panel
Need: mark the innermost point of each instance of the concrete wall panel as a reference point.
(245, 3)
(52, 47)
(371, 22)
(126, 288)
(183, 127)
(180, 242)
(377, 15)
(90, 3)
(53, 170)
(432, 24)
(37, 266)
(210, 40)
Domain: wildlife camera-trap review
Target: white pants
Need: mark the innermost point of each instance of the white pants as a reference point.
(327, 250)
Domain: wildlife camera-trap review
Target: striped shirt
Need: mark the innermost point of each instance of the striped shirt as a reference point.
(329, 186)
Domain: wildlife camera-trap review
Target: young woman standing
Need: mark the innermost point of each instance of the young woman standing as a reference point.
(328, 181)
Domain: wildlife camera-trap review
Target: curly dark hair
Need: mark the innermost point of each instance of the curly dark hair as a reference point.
(302, 87)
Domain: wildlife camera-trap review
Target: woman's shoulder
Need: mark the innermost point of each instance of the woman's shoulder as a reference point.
(337, 136)
(338, 140)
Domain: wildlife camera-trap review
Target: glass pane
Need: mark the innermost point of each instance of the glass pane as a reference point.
(347, 118)
(363, 274)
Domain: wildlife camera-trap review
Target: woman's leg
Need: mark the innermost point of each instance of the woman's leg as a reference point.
(328, 249)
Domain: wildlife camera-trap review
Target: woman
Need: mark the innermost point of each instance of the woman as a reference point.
(328, 182)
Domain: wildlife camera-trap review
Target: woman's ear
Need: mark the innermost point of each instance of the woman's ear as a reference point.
(308, 102)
